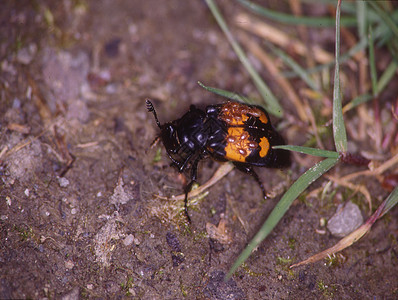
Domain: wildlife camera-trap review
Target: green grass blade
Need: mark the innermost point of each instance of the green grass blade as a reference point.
(362, 44)
(361, 18)
(382, 33)
(361, 99)
(295, 67)
(283, 205)
(372, 63)
(295, 20)
(226, 94)
(357, 101)
(348, 7)
(387, 75)
(339, 132)
(271, 102)
(385, 17)
(309, 151)
(390, 202)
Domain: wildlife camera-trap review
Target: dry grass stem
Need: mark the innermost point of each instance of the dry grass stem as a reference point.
(269, 63)
(355, 187)
(280, 38)
(223, 170)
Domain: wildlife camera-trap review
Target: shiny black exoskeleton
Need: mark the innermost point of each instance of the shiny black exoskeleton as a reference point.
(231, 131)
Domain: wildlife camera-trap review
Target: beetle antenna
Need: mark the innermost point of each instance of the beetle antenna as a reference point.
(150, 108)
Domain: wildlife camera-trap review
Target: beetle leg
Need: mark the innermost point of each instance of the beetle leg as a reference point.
(173, 161)
(182, 166)
(194, 175)
(249, 170)
(187, 190)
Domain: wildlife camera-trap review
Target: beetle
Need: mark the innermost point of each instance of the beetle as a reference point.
(231, 131)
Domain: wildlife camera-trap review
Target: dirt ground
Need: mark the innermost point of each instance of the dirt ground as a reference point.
(78, 215)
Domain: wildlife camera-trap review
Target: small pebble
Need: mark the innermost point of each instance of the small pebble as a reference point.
(346, 219)
(26, 55)
(63, 182)
(69, 264)
(128, 240)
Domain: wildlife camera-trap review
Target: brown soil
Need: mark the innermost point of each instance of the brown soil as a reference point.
(78, 216)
